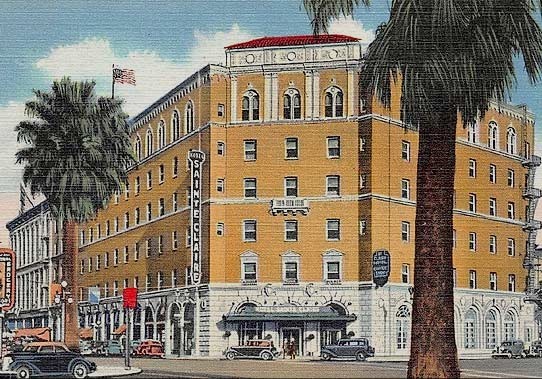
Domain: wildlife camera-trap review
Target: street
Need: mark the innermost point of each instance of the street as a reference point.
(208, 368)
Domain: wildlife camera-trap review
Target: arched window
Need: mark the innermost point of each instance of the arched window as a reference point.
(175, 126)
(491, 329)
(472, 132)
(161, 134)
(509, 326)
(334, 102)
(137, 148)
(470, 329)
(493, 136)
(251, 106)
(137, 324)
(149, 323)
(148, 142)
(511, 140)
(402, 326)
(292, 104)
(189, 117)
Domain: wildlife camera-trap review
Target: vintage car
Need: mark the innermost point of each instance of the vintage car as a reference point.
(149, 348)
(357, 348)
(52, 359)
(536, 349)
(510, 349)
(262, 349)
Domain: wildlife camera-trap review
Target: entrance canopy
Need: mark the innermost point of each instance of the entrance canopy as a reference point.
(39, 333)
(120, 330)
(288, 313)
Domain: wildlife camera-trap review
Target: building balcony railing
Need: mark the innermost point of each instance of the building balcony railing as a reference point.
(289, 205)
(532, 193)
(532, 225)
(249, 282)
(534, 161)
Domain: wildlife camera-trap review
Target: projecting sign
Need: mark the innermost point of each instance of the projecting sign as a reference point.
(196, 159)
(7, 276)
(129, 298)
(381, 267)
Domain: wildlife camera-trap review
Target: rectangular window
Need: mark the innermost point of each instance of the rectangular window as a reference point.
(333, 147)
(125, 283)
(126, 220)
(90, 265)
(160, 244)
(512, 283)
(136, 251)
(174, 278)
(511, 178)
(127, 191)
(363, 181)
(175, 169)
(472, 168)
(492, 206)
(161, 174)
(290, 186)
(291, 148)
(174, 240)
(149, 180)
(106, 259)
(472, 279)
(405, 273)
(333, 270)
(116, 197)
(472, 202)
(116, 257)
(333, 185)
(220, 185)
(126, 254)
(148, 283)
(220, 148)
(160, 280)
(511, 247)
(250, 188)
(116, 224)
(362, 227)
(405, 189)
(98, 262)
(492, 173)
(249, 271)
(249, 230)
(291, 272)
(161, 207)
(290, 230)
(405, 231)
(493, 281)
(333, 229)
(137, 216)
(148, 246)
(107, 228)
(174, 202)
(250, 150)
(149, 212)
(82, 266)
(405, 151)
(220, 229)
(106, 289)
(137, 185)
(472, 241)
(493, 244)
(220, 110)
(511, 210)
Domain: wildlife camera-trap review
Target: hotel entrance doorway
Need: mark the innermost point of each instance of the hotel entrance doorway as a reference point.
(291, 333)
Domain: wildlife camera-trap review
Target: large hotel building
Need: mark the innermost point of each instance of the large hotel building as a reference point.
(293, 182)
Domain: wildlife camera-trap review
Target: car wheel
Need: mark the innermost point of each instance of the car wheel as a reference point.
(326, 356)
(79, 371)
(509, 355)
(24, 372)
(266, 356)
(230, 355)
(360, 356)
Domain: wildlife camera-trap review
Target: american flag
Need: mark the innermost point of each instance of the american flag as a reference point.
(124, 76)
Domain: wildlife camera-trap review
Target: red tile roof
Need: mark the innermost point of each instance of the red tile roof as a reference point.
(293, 41)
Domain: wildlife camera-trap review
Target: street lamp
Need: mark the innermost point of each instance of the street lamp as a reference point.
(61, 299)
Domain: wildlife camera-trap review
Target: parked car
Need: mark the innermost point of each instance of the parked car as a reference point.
(149, 348)
(51, 359)
(263, 349)
(510, 349)
(357, 348)
(114, 347)
(536, 349)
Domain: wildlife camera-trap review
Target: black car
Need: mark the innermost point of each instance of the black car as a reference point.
(51, 359)
(262, 349)
(358, 348)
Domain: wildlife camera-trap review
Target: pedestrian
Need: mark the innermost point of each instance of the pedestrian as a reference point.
(285, 348)
(292, 349)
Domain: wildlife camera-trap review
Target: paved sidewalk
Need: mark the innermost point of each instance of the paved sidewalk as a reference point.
(109, 371)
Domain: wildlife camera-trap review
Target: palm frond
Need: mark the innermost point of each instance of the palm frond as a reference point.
(322, 12)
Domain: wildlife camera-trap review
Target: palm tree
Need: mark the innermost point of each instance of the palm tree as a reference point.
(78, 153)
(447, 56)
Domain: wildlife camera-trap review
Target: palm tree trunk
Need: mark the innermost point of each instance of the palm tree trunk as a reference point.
(71, 249)
(433, 352)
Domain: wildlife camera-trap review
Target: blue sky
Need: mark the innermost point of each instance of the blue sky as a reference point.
(162, 40)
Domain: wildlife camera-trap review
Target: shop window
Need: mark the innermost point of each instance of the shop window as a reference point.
(470, 330)
(491, 329)
(250, 330)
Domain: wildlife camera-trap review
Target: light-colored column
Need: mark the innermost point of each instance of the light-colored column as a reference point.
(308, 95)
(233, 98)
(351, 92)
(274, 97)
(268, 96)
(316, 94)
(196, 324)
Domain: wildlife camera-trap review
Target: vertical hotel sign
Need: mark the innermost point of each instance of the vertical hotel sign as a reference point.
(196, 159)
(7, 279)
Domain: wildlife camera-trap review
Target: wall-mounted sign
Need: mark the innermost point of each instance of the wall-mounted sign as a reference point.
(381, 267)
(129, 298)
(7, 279)
(196, 159)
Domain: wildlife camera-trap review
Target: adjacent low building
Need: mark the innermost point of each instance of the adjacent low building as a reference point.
(262, 190)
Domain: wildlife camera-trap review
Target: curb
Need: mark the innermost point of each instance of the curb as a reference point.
(106, 372)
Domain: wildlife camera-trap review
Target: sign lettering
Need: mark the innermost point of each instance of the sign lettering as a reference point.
(7, 284)
(196, 159)
(381, 267)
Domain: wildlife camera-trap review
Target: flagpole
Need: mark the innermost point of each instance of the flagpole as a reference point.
(113, 82)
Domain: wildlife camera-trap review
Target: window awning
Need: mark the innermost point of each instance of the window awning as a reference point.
(288, 313)
(43, 334)
(120, 330)
(86, 333)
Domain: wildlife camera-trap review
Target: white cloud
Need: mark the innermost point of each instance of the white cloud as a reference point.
(350, 27)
